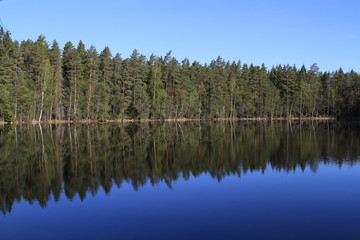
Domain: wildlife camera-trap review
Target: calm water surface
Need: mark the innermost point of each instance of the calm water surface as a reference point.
(208, 180)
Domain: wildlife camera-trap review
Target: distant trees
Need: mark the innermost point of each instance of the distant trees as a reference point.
(41, 82)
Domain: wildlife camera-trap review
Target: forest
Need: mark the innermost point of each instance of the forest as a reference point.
(41, 82)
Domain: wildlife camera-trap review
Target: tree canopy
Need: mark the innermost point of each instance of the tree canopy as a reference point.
(38, 81)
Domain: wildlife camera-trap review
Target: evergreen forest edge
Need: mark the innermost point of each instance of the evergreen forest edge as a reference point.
(44, 83)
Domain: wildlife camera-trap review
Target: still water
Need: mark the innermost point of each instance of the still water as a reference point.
(198, 180)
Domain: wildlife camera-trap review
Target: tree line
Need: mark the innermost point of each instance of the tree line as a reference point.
(43, 162)
(39, 81)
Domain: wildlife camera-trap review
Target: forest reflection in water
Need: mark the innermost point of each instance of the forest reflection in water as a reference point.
(38, 162)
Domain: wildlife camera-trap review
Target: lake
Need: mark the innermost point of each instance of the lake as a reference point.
(192, 180)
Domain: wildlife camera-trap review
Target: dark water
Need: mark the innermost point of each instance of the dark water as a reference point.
(223, 180)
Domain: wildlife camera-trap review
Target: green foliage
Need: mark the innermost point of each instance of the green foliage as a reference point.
(55, 61)
(103, 91)
(156, 89)
(42, 82)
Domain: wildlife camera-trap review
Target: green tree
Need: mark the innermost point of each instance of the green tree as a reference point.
(217, 89)
(55, 61)
(115, 87)
(72, 74)
(246, 106)
(156, 89)
(7, 74)
(105, 74)
(314, 84)
(138, 107)
(91, 69)
(46, 87)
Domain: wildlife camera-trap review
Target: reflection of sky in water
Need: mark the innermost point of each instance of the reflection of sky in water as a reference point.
(280, 181)
(270, 205)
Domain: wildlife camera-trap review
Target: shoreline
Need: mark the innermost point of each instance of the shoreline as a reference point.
(33, 122)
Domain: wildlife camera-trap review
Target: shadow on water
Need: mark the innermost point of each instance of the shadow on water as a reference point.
(43, 161)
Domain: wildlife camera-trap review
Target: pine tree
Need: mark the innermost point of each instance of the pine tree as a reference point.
(41, 76)
(314, 84)
(126, 90)
(303, 92)
(105, 72)
(46, 88)
(55, 61)
(71, 74)
(81, 82)
(156, 89)
(139, 106)
(198, 77)
(115, 87)
(186, 94)
(7, 75)
(233, 83)
(217, 89)
(21, 94)
(38, 83)
(91, 72)
(246, 108)
(328, 94)
(259, 89)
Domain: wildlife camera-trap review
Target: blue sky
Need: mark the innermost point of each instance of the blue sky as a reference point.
(257, 31)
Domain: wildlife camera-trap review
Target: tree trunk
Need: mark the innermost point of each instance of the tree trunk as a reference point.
(89, 101)
(42, 105)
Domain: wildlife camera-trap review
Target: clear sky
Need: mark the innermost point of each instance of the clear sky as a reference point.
(257, 31)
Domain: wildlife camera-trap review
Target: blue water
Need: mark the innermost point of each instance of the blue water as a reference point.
(269, 205)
